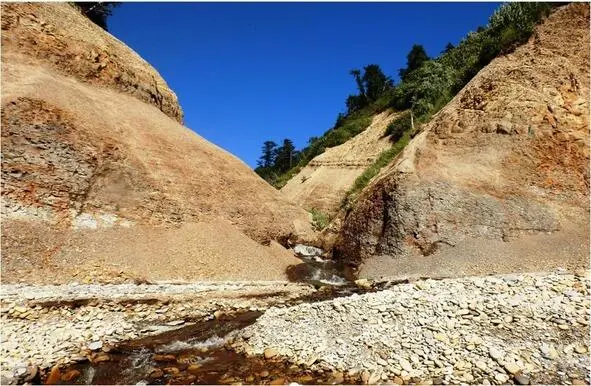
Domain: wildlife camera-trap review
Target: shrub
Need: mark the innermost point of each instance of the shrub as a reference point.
(424, 86)
(383, 160)
(521, 16)
(97, 12)
(320, 220)
(398, 126)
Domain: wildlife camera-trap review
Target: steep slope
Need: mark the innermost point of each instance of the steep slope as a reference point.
(323, 183)
(95, 172)
(499, 179)
(84, 51)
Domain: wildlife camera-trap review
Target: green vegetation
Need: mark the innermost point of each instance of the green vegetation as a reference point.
(414, 60)
(276, 160)
(320, 220)
(383, 160)
(427, 84)
(97, 12)
(399, 126)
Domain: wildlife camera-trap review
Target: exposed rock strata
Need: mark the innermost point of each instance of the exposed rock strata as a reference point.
(86, 159)
(508, 157)
(323, 183)
(59, 37)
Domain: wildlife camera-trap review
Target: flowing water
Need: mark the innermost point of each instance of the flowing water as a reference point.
(198, 353)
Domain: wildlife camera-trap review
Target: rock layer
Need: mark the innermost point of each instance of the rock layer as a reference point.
(323, 183)
(81, 161)
(507, 158)
(59, 37)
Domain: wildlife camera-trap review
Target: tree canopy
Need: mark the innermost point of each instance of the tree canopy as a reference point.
(98, 12)
(415, 59)
(276, 160)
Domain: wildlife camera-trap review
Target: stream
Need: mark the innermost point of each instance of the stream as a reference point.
(198, 353)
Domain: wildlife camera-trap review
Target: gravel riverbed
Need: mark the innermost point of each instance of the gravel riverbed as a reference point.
(483, 330)
(59, 324)
(486, 330)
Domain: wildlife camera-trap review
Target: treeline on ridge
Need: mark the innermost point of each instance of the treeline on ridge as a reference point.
(426, 85)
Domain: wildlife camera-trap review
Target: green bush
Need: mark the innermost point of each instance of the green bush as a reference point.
(398, 126)
(320, 220)
(523, 17)
(280, 181)
(383, 160)
(431, 83)
(97, 12)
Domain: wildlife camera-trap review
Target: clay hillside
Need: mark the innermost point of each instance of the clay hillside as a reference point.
(498, 180)
(99, 177)
(324, 181)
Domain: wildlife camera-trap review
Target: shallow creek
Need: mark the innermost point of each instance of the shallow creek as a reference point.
(198, 353)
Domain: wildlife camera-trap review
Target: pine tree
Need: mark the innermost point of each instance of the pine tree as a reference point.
(375, 82)
(415, 58)
(286, 155)
(267, 159)
(98, 12)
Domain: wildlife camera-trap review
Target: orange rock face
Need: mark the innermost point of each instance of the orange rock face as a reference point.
(499, 176)
(99, 178)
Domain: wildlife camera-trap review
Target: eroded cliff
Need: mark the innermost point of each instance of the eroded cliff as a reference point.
(97, 170)
(497, 178)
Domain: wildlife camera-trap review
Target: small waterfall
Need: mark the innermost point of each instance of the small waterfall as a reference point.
(315, 269)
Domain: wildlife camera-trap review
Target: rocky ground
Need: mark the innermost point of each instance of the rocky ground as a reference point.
(46, 325)
(486, 330)
(530, 328)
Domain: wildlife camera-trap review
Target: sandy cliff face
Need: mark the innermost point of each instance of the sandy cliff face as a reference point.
(323, 183)
(59, 38)
(500, 175)
(96, 168)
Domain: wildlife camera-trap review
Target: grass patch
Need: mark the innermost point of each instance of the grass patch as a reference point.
(383, 160)
(399, 126)
(320, 220)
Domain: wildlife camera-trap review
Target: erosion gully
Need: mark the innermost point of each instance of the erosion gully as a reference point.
(197, 354)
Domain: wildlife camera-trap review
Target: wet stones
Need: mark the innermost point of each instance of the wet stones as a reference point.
(164, 358)
(46, 324)
(156, 374)
(100, 357)
(70, 375)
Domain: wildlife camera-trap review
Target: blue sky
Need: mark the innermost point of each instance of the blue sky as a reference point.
(249, 72)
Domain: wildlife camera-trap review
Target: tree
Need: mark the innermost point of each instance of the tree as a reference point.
(355, 103)
(98, 12)
(357, 75)
(375, 82)
(340, 119)
(267, 159)
(285, 156)
(448, 47)
(415, 58)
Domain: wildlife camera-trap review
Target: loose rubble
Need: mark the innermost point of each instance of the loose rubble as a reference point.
(47, 325)
(521, 329)
(484, 330)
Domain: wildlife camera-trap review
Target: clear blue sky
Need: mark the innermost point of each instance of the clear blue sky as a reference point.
(249, 72)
